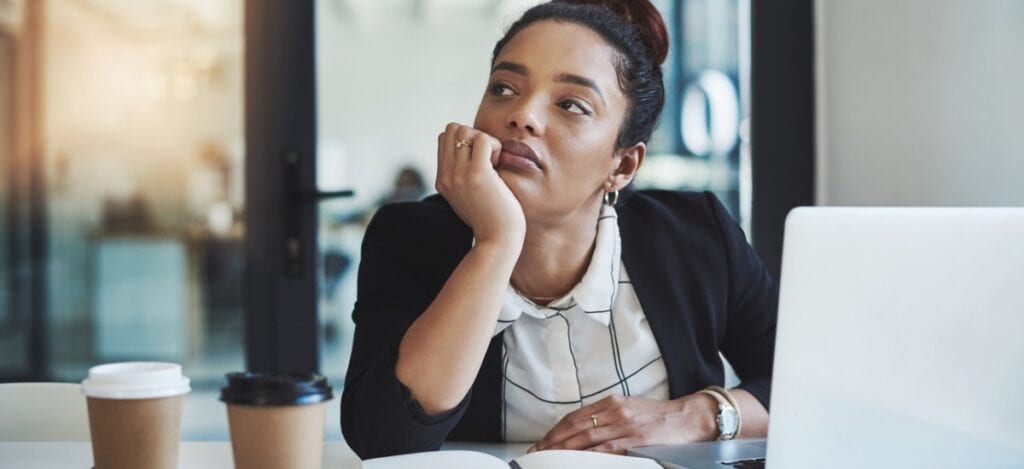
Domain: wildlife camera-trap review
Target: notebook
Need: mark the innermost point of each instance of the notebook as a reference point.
(550, 459)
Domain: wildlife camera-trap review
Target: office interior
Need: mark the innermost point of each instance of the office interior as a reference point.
(138, 186)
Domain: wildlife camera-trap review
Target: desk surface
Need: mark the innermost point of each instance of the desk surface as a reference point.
(198, 455)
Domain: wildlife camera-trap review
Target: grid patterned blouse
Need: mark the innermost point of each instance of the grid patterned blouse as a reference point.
(589, 344)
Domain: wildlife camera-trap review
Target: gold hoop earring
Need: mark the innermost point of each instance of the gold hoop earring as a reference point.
(611, 197)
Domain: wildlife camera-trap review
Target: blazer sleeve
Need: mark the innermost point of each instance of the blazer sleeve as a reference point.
(378, 416)
(752, 305)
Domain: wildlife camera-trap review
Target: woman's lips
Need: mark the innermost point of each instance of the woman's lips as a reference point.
(517, 155)
(516, 162)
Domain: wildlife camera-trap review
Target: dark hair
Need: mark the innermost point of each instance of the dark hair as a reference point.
(637, 31)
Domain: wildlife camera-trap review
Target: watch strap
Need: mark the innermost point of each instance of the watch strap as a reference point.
(723, 403)
(732, 401)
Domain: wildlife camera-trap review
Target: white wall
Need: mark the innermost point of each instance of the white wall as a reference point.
(920, 102)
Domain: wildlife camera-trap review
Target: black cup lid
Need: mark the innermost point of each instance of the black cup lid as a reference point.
(275, 389)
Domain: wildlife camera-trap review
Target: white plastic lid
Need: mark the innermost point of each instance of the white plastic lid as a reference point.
(135, 380)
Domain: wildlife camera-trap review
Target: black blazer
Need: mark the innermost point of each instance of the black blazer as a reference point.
(702, 287)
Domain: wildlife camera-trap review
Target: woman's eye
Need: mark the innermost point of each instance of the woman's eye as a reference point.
(500, 89)
(574, 107)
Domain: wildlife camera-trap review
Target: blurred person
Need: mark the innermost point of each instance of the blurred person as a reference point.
(408, 186)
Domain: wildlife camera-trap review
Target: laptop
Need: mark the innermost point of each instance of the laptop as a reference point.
(900, 342)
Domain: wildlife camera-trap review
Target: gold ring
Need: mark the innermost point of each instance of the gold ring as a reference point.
(461, 143)
(593, 418)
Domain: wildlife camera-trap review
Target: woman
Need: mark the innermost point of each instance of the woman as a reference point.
(530, 301)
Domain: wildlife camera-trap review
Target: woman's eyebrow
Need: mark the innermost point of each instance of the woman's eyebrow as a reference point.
(513, 67)
(582, 81)
(520, 69)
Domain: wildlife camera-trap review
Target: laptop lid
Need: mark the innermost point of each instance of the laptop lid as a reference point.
(900, 339)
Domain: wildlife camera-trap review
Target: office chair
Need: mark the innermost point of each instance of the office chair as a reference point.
(43, 412)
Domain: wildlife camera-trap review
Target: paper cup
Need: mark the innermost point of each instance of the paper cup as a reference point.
(276, 420)
(135, 414)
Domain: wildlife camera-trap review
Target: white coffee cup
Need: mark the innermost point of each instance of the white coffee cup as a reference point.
(135, 414)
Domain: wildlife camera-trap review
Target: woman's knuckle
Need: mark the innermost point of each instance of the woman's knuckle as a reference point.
(605, 447)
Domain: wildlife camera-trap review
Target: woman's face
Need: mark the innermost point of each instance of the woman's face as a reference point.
(554, 88)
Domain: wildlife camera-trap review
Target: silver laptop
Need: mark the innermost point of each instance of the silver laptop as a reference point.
(707, 455)
(900, 341)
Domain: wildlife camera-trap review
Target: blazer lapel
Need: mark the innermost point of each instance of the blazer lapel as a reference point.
(657, 282)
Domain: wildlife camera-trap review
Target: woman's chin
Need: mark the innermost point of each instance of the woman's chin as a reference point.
(527, 192)
(520, 183)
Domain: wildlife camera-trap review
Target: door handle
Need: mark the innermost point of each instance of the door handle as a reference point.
(297, 198)
(323, 195)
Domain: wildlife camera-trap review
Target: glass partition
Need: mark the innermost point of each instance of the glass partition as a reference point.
(135, 131)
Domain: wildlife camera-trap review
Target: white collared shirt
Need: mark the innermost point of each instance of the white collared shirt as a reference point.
(591, 343)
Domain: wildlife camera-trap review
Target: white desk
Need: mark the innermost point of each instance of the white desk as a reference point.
(197, 455)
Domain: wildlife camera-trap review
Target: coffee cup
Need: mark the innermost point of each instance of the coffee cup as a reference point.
(276, 420)
(135, 414)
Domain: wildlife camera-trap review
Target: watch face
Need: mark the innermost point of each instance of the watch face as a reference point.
(727, 421)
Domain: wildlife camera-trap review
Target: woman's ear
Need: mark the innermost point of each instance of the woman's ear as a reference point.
(629, 161)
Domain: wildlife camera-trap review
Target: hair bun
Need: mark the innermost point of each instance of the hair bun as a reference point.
(645, 17)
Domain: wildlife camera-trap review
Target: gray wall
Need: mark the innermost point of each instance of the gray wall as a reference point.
(920, 102)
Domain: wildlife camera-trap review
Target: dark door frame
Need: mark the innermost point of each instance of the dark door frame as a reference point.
(782, 119)
(280, 166)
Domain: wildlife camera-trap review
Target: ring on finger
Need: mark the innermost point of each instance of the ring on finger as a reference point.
(462, 143)
(593, 418)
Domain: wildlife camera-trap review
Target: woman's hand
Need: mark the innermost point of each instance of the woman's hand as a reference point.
(467, 180)
(626, 422)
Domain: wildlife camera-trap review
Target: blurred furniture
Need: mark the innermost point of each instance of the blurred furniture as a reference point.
(143, 303)
(42, 412)
(156, 293)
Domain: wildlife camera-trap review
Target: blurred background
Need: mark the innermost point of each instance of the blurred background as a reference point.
(123, 159)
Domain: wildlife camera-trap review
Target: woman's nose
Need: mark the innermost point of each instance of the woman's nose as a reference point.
(526, 119)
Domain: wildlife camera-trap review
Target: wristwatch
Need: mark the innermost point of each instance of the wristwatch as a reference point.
(728, 418)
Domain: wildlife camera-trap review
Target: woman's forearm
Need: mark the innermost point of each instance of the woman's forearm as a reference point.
(754, 415)
(441, 353)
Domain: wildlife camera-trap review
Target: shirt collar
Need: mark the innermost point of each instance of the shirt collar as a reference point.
(594, 294)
